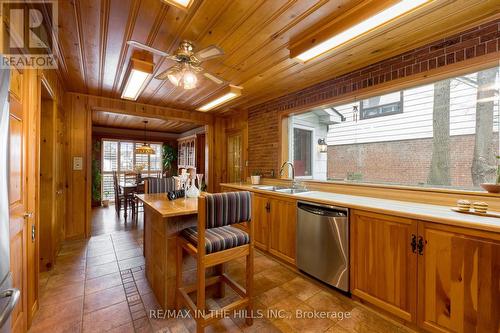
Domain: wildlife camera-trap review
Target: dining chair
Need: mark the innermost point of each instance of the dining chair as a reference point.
(213, 242)
(131, 178)
(117, 193)
(159, 185)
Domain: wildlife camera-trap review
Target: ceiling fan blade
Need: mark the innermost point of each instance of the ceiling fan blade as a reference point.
(147, 48)
(214, 78)
(164, 75)
(209, 53)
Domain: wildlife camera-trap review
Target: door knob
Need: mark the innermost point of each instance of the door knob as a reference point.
(28, 215)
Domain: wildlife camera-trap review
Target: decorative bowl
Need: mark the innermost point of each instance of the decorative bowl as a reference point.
(491, 187)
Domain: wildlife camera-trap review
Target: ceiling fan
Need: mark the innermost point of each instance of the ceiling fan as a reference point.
(183, 74)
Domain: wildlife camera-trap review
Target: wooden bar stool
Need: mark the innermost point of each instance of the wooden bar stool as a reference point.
(213, 242)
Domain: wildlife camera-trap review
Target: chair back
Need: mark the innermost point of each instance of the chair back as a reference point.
(159, 185)
(227, 208)
(116, 188)
(131, 178)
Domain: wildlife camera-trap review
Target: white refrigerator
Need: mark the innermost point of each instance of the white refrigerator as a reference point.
(8, 295)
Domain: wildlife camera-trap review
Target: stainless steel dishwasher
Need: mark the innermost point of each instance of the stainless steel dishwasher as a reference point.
(323, 243)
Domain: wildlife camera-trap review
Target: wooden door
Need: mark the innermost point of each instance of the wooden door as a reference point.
(383, 264)
(18, 209)
(459, 280)
(260, 215)
(282, 224)
(235, 157)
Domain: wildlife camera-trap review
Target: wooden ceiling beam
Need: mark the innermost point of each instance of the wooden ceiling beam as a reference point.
(120, 106)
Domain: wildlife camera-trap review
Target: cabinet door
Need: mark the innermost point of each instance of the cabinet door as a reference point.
(383, 264)
(282, 224)
(260, 220)
(459, 280)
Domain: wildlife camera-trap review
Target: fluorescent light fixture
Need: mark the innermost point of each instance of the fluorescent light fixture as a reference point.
(137, 76)
(361, 28)
(231, 92)
(134, 84)
(182, 4)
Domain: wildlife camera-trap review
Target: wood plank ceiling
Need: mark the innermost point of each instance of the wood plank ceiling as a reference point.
(254, 35)
(125, 121)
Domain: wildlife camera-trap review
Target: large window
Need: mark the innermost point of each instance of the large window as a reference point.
(120, 156)
(443, 134)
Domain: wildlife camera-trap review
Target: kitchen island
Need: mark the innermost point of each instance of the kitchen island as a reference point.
(163, 220)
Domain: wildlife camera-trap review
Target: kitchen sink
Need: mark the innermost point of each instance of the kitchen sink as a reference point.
(291, 190)
(280, 189)
(269, 188)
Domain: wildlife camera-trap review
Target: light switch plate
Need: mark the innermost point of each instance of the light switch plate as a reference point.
(77, 163)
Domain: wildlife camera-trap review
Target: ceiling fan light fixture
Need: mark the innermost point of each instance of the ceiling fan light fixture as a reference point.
(184, 77)
(175, 76)
(304, 52)
(231, 92)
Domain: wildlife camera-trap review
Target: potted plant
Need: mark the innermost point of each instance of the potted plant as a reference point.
(498, 170)
(494, 187)
(255, 178)
(169, 156)
(96, 174)
(105, 202)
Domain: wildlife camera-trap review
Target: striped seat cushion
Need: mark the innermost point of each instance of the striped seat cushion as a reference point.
(161, 185)
(228, 208)
(217, 239)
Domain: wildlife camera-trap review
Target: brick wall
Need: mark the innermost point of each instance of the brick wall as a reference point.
(404, 162)
(263, 118)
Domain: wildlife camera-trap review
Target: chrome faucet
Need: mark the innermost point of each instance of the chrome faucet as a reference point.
(282, 169)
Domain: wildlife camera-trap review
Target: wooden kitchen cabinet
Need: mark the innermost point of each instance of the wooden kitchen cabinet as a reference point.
(459, 280)
(447, 280)
(383, 262)
(274, 225)
(260, 213)
(282, 223)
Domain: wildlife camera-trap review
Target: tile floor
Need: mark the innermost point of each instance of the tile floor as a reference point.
(98, 285)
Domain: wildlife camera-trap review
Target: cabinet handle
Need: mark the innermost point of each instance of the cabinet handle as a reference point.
(268, 207)
(420, 245)
(413, 243)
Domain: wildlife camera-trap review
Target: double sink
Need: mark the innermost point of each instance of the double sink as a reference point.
(280, 189)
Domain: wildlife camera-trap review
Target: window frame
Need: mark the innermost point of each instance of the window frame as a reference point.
(313, 135)
(457, 69)
(120, 172)
(400, 104)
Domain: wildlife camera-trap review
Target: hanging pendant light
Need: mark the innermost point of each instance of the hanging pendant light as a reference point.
(145, 149)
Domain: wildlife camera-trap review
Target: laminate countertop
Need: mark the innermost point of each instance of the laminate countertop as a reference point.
(417, 211)
(166, 208)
